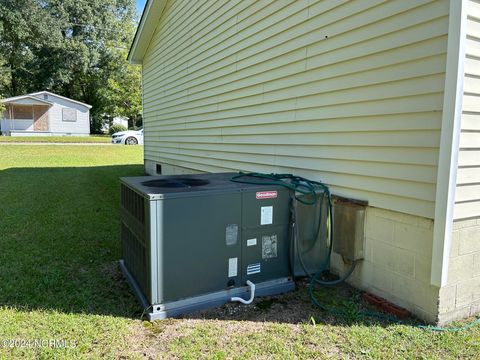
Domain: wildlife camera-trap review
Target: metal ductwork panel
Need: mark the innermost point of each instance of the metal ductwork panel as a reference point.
(349, 228)
(312, 236)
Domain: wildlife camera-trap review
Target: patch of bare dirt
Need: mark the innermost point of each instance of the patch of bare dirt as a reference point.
(152, 340)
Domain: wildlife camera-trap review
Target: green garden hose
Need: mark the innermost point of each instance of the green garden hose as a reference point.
(303, 186)
(307, 189)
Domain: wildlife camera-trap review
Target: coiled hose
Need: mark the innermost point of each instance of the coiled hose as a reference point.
(304, 191)
(309, 188)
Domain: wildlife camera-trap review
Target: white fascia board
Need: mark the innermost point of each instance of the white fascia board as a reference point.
(148, 23)
(449, 143)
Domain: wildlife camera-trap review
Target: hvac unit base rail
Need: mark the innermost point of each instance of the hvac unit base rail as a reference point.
(202, 302)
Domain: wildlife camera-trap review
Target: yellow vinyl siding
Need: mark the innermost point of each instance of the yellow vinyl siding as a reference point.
(347, 92)
(467, 196)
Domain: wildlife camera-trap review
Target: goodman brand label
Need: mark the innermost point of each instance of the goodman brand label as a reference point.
(266, 195)
(253, 269)
(232, 267)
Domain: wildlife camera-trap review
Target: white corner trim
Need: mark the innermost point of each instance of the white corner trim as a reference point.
(449, 143)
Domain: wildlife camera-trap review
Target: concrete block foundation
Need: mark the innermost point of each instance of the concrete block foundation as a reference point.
(461, 297)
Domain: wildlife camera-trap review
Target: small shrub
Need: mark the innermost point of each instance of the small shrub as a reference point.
(116, 128)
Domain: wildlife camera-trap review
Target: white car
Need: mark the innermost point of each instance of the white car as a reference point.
(129, 137)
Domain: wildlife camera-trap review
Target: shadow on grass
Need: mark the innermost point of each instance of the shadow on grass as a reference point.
(59, 239)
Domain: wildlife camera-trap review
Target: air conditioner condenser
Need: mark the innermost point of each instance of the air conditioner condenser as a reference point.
(192, 242)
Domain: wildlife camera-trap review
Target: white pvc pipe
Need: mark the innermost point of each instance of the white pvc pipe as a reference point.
(252, 294)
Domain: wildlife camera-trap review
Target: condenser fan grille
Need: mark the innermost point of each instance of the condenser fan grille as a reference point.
(175, 183)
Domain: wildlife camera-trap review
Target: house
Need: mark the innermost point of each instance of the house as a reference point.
(117, 120)
(378, 99)
(44, 113)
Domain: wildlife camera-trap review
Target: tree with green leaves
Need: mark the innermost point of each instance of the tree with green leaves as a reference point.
(4, 81)
(76, 48)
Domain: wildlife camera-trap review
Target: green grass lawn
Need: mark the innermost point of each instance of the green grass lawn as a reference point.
(56, 139)
(59, 247)
(59, 239)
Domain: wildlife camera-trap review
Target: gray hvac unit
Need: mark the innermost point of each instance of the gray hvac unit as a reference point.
(196, 241)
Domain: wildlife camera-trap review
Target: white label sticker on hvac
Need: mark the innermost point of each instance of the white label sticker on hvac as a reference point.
(269, 246)
(266, 215)
(232, 267)
(252, 242)
(231, 234)
(253, 268)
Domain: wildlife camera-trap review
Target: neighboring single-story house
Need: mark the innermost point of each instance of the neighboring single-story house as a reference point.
(378, 99)
(44, 113)
(118, 120)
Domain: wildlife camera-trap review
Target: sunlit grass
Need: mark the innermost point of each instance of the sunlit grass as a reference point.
(59, 246)
(59, 239)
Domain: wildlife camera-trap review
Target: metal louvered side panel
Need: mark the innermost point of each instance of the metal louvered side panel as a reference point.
(133, 234)
(133, 203)
(134, 255)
